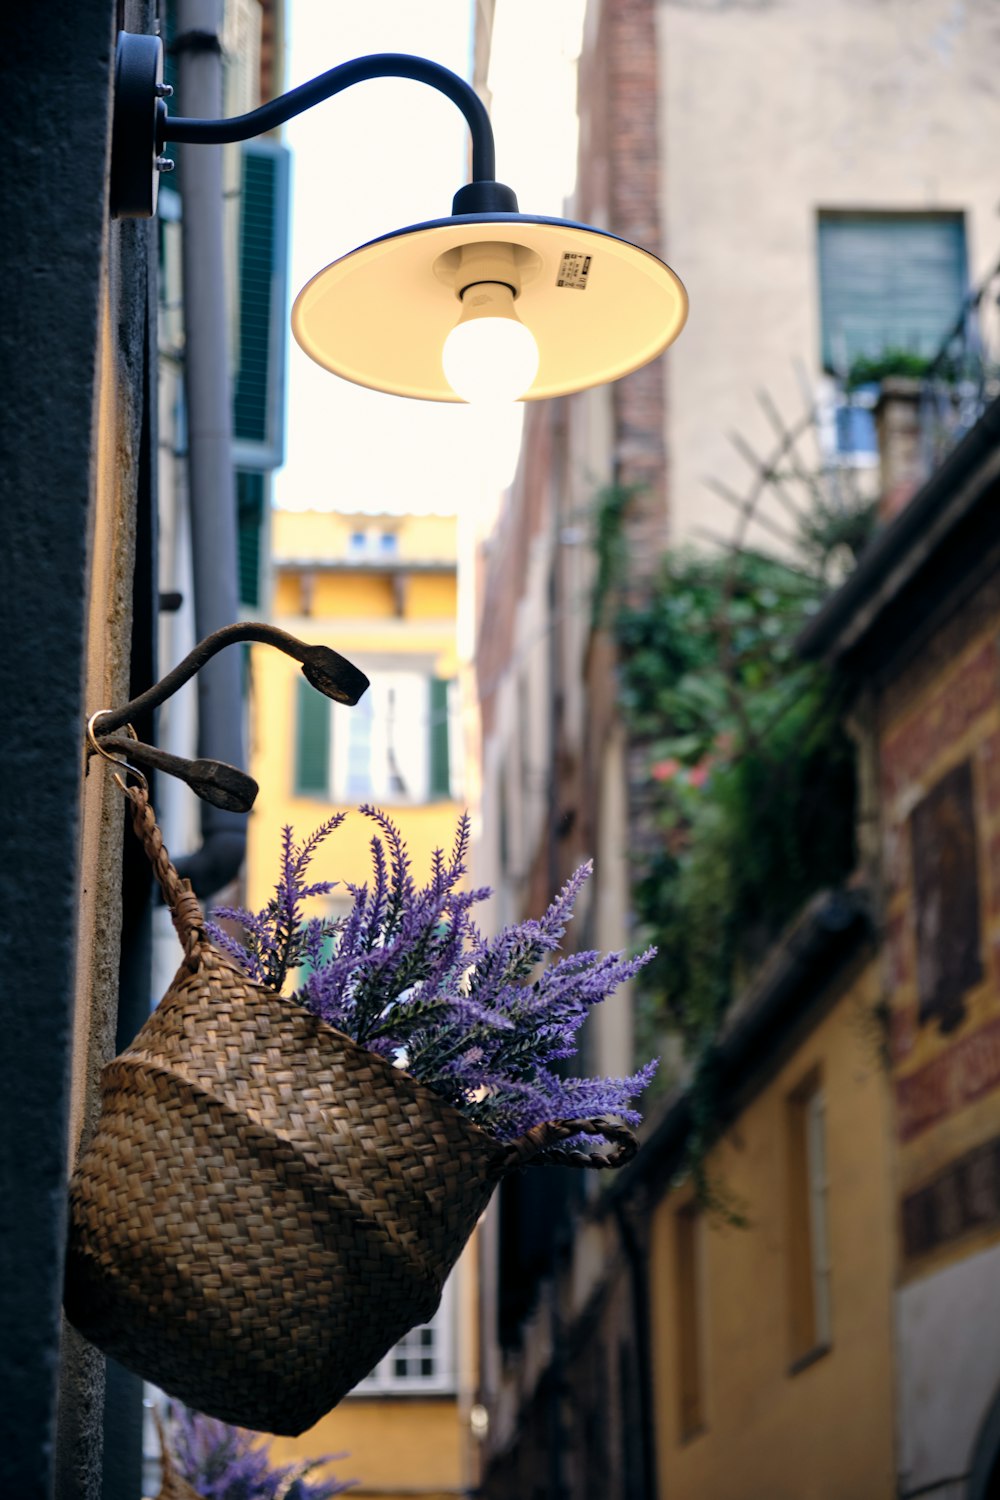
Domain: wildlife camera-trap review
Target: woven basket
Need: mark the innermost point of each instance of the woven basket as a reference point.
(265, 1207)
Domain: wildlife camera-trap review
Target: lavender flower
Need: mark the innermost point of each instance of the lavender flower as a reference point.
(278, 939)
(412, 978)
(229, 1463)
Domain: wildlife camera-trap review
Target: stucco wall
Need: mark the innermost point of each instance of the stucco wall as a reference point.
(770, 111)
(825, 1429)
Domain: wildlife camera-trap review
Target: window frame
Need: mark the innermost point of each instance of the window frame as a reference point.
(810, 1271)
(689, 1251)
(893, 335)
(392, 729)
(383, 1381)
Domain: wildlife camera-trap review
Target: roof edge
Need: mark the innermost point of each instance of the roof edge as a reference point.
(851, 613)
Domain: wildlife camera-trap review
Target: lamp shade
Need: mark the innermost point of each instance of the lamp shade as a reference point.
(597, 306)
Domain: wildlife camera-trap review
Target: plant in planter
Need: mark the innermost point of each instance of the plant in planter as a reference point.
(407, 975)
(277, 1188)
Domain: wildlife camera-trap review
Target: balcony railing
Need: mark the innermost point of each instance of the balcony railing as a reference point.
(954, 385)
(964, 376)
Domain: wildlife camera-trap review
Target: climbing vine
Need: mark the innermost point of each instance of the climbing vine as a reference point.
(742, 774)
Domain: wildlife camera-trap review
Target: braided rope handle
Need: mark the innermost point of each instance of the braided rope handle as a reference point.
(541, 1146)
(185, 910)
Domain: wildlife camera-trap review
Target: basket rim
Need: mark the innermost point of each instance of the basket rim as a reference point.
(397, 1075)
(501, 1155)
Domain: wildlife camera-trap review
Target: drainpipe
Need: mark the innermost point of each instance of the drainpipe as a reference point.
(208, 398)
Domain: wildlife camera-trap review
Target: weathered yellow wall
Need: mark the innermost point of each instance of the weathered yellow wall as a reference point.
(352, 596)
(395, 1448)
(300, 534)
(429, 596)
(826, 1430)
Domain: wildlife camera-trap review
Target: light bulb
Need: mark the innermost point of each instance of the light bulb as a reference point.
(489, 355)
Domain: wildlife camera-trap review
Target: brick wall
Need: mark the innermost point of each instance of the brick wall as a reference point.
(634, 202)
(939, 768)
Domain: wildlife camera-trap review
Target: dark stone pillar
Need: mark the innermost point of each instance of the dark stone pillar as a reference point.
(69, 278)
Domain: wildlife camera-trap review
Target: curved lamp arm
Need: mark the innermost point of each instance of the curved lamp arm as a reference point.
(334, 81)
(142, 124)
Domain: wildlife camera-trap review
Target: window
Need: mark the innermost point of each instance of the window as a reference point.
(397, 745)
(312, 741)
(372, 542)
(944, 845)
(690, 1357)
(808, 1249)
(423, 1361)
(888, 282)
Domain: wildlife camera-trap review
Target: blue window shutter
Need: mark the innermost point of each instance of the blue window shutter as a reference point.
(440, 769)
(312, 741)
(889, 282)
(258, 389)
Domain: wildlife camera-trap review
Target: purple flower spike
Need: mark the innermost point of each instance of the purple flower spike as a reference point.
(229, 1463)
(406, 973)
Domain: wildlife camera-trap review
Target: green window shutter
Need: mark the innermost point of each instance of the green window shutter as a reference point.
(440, 775)
(250, 487)
(889, 282)
(312, 741)
(258, 389)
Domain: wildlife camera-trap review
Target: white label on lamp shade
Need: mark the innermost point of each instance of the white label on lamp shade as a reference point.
(574, 269)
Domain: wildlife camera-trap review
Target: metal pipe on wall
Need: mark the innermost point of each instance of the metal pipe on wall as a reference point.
(208, 398)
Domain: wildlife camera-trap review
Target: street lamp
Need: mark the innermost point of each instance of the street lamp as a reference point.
(488, 303)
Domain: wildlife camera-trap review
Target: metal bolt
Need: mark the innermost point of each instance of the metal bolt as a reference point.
(164, 91)
(164, 164)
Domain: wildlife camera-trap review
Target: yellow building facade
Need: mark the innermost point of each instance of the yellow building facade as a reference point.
(382, 591)
(772, 1337)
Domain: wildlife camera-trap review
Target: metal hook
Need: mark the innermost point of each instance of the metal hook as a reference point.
(327, 671)
(213, 781)
(223, 785)
(116, 760)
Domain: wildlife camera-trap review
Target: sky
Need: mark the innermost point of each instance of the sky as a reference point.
(381, 155)
(391, 152)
